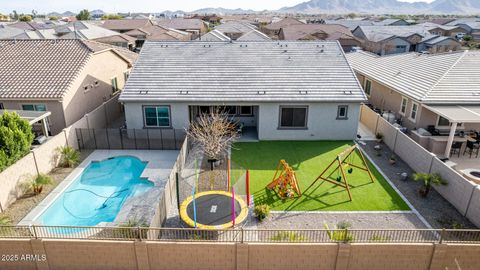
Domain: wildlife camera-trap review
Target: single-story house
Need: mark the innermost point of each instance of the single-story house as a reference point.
(214, 35)
(438, 44)
(125, 25)
(273, 90)
(66, 77)
(254, 35)
(195, 26)
(320, 32)
(392, 22)
(273, 29)
(439, 92)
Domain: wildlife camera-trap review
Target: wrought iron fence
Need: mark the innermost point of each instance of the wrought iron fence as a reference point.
(240, 235)
(120, 138)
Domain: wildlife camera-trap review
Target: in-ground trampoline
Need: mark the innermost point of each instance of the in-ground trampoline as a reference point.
(213, 210)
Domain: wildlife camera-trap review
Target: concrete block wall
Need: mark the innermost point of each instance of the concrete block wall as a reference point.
(416, 156)
(148, 255)
(388, 131)
(473, 210)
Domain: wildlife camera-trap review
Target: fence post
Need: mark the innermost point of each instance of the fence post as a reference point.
(94, 138)
(35, 161)
(88, 122)
(108, 138)
(139, 230)
(106, 115)
(395, 142)
(431, 162)
(376, 124)
(34, 231)
(66, 137)
(178, 190)
(442, 235)
(135, 138)
(174, 139)
(121, 137)
(241, 235)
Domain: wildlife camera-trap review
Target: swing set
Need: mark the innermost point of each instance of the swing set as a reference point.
(344, 163)
(286, 184)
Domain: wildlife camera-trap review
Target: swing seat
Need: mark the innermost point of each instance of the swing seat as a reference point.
(350, 170)
(339, 179)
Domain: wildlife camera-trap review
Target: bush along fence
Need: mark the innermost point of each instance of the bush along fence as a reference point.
(152, 139)
(461, 193)
(240, 235)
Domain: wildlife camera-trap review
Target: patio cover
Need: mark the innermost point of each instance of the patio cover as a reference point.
(457, 113)
(31, 116)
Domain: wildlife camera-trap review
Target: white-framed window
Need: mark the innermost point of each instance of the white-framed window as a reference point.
(414, 112)
(342, 112)
(293, 117)
(403, 106)
(156, 116)
(34, 107)
(230, 110)
(368, 87)
(246, 110)
(114, 82)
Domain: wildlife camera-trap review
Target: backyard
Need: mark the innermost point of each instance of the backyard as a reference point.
(309, 159)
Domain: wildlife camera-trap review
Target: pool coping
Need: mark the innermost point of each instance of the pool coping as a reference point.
(150, 173)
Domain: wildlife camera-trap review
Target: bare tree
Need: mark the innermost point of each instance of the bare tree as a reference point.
(213, 132)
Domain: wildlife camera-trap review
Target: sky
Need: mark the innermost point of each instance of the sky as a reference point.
(43, 6)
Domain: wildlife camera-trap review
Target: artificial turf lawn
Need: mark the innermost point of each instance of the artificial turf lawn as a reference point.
(309, 159)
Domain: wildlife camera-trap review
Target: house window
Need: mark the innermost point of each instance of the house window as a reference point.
(413, 113)
(126, 74)
(157, 116)
(204, 109)
(114, 85)
(368, 87)
(443, 122)
(293, 117)
(400, 48)
(403, 106)
(230, 110)
(342, 112)
(246, 110)
(34, 107)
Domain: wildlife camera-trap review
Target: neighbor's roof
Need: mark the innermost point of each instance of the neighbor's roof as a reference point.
(334, 31)
(378, 33)
(126, 24)
(242, 71)
(42, 68)
(285, 22)
(254, 35)
(214, 35)
(447, 78)
(235, 27)
(182, 24)
(350, 24)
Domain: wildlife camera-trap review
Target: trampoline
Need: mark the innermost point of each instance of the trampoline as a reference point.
(213, 210)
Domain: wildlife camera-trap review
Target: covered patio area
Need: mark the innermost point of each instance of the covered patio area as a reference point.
(463, 142)
(35, 119)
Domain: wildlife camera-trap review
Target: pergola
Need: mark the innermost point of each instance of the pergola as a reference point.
(456, 114)
(32, 117)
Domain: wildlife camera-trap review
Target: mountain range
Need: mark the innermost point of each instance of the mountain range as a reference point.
(464, 7)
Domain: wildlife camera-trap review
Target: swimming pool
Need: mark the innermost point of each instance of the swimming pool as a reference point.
(98, 193)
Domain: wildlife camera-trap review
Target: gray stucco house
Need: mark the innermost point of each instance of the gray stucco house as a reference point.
(277, 90)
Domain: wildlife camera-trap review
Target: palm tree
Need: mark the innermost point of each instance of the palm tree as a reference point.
(69, 156)
(428, 180)
(37, 183)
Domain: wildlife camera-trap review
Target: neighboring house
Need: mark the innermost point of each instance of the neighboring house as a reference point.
(254, 35)
(438, 44)
(195, 26)
(210, 19)
(124, 25)
(214, 35)
(235, 29)
(441, 21)
(320, 32)
(277, 90)
(157, 33)
(273, 29)
(424, 90)
(67, 77)
(392, 22)
(384, 40)
(351, 23)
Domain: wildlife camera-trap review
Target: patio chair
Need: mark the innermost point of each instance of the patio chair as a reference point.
(456, 146)
(471, 148)
(433, 130)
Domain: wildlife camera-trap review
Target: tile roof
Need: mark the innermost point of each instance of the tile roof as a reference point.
(379, 32)
(283, 23)
(40, 68)
(43, 68)
(182, 24)
(447, 78)
(235, 27)
(214, 35)
(126, 24)
(254, 35)
(351, 24)
(332, 31)
(242, 71)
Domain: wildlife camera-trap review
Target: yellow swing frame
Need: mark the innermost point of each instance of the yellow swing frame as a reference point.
(341, 160)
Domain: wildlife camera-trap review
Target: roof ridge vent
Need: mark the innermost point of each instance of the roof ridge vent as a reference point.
(347, 92)
(143, 92)
(261, 92)
(303, 92)
(183, 92)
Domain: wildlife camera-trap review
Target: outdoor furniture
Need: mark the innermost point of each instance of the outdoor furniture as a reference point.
(456, 146)
(471, 148)
(433, 130)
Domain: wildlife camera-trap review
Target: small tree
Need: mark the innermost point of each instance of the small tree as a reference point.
(69, 157)
(16, 137)
(428, 180)
(214, 133)
(36, 184)
(53, 18)
(83, 15)
(111, 17)
(25, 18)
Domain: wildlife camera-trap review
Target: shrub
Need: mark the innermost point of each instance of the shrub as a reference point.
(36, 184)
(379, 238)
(130, 230)
(16, 138)
(428, 180)
(338, 235)
(5, 220)
(69, 157)
(262, 211)
(379, 136)
(289, 236)
(344, 224)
